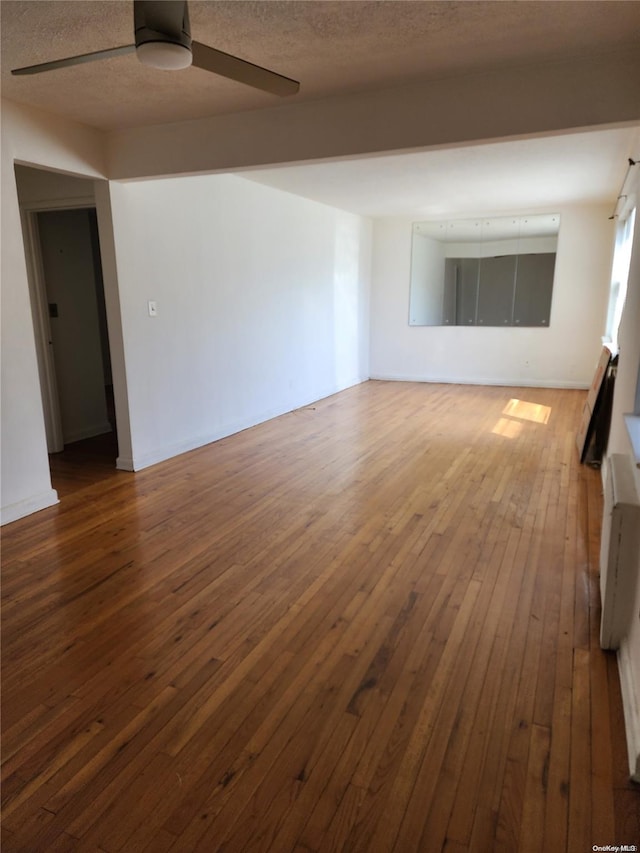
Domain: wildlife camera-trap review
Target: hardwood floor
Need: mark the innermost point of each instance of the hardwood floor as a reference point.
(368, 625)
(84, 463)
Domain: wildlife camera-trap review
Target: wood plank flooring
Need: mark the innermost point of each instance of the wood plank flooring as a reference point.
(84, 463)
(368, 625)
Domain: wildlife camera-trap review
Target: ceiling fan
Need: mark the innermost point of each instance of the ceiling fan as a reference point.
(163, 40)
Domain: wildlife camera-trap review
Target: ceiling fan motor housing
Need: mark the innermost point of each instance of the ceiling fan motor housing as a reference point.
(162, 33)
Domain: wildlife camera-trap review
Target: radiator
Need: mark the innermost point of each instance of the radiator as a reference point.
(620, 546)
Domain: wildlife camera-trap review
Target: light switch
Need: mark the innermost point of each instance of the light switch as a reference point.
(153, 309)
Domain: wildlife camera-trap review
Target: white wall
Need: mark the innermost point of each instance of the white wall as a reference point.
(262, 306)
(29, 136)
(623, 402)
(562, 355)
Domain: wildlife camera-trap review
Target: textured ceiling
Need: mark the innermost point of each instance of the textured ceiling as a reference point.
(331, 47)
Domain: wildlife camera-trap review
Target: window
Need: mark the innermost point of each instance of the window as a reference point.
(620, 279)
(617, 296)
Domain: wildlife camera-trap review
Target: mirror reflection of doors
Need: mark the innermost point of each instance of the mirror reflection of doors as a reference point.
(483, 272)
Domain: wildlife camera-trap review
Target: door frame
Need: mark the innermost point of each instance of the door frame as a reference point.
(40, 311)
(98, 197)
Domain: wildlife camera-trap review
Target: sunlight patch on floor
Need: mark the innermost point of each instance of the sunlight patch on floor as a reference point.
(507, 428)
(527, 411)
(515, 412)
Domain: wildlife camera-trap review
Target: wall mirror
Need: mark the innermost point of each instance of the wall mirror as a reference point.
(483, 271)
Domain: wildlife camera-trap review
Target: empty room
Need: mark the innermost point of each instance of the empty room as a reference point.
(320, 426)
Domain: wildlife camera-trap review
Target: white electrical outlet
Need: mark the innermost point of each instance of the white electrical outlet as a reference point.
(153, 309)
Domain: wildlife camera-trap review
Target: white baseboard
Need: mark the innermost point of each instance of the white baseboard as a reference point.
(23, 508)
(125, 463)
(629, 677)
(483, 380)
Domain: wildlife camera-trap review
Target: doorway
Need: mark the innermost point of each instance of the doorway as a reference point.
(64, 264)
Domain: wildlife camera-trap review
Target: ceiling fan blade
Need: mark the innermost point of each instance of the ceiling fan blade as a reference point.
(210, 59)
(76, 60)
